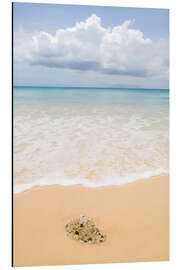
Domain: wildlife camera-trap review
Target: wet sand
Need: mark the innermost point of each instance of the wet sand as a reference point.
(134, 216)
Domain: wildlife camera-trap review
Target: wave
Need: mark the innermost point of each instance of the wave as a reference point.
(108, 181)
(88, 145)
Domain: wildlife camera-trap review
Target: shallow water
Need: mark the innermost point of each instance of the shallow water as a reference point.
(93, 137)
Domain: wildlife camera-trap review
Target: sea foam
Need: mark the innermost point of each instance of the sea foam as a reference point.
(111, 181)
(91, 145)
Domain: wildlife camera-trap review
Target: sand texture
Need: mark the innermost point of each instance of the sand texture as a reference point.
(134, 216)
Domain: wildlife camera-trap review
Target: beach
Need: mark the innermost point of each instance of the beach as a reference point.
(103, 153)
(135, 217)
(90, 178)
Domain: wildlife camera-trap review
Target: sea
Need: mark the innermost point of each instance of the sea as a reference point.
(88, 136)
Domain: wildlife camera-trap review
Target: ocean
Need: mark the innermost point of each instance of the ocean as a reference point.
(89, 136)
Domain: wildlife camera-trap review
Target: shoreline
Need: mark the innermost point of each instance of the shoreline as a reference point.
(135, 217)
(40, 186)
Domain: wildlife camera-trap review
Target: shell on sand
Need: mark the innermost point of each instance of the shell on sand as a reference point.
(84, 230)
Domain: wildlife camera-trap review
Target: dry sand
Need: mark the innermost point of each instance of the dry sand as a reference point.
(134, 216)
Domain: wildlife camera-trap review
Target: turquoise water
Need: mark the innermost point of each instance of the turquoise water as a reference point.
(89, 136)
(48, 95)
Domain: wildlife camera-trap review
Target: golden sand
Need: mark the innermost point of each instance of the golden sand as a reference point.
(134, 216)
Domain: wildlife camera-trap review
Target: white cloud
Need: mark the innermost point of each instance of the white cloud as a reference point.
(89, 46)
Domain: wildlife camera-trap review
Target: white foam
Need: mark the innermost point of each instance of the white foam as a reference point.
(88, 145)
(111, 181)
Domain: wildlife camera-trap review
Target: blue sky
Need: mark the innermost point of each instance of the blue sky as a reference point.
(117, 62)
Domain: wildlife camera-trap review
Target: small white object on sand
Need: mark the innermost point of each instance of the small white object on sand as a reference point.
(84, 230)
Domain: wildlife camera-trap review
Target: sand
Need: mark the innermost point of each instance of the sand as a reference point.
(134, 216)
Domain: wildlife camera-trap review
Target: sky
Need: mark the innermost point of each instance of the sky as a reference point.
(90, 46)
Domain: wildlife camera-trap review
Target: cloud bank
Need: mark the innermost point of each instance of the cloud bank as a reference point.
(88, 46)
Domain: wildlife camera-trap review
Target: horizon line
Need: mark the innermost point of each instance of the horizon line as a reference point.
(135, 88)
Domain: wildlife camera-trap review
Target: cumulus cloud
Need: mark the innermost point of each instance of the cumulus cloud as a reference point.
(89, 46)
